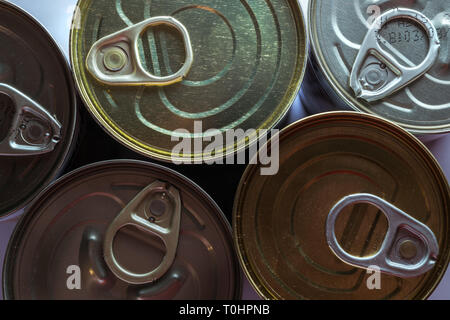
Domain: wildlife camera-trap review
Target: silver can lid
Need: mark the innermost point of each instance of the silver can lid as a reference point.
(388, 58)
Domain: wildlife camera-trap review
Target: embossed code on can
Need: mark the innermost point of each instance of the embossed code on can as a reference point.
(338, 28)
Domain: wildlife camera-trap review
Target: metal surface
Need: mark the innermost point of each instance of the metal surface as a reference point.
(279, 222)
(56, 16)
(249, 62)
(33, 130)
(37, 99)
(115, 60)
(155, 210)
(376, 73)
(66, 227)
(338, 29)
(408, 250)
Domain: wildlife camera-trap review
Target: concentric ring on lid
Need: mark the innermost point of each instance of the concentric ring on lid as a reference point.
(62, 236)
(37, 107)
(279, 221)
(249, 61)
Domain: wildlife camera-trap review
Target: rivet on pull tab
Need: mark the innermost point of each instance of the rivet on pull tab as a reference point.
(115, 60)
(156, 210)
(409, 249)
(376, 73)
(33, 130)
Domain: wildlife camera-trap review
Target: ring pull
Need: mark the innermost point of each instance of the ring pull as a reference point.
(33, 130)
(115, 60)
(376, 73)
(156, 210)
(409, 248)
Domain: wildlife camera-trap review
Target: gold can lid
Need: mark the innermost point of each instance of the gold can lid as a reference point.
(281, 222)
(240, 65)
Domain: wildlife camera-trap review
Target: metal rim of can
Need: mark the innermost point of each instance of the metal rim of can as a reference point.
(121, 136)
(71, 137)
(262, 286)
(348, 97)
(22, 226)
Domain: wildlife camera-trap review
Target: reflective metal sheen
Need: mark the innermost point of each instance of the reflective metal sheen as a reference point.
(338, 30)
(110, 55)
(280, 221)
(376, 73)
(33, 130)
(165, 225)
(409, 248)
(249, 61)
(38, 111)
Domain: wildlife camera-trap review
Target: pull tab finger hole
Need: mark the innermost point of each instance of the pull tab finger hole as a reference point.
(407, 39)
(138, 251)
(161, 50)
(360, 229)
(7, 111)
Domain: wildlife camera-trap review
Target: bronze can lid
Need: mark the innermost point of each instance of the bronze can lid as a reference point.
(281, 222)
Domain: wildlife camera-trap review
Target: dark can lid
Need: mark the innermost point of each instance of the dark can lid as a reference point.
(37, 108)
(62, 236)
(248, 60)
(281, 223)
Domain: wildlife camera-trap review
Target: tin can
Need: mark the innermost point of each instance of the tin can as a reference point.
(127, 230)
(240, 65)
(38, 115)
(358, 204)
(387, 58)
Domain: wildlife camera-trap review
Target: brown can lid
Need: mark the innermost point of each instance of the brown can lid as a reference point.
(62, 235)
(280, 222)
(37, 109)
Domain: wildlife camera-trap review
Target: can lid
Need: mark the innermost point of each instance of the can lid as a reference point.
(150, 72)
(356, 197)
(386, 59)
(127, 230)
(155, 210)
(37, 108)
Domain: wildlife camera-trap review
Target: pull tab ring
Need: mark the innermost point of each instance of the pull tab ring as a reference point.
(115, 60)
(156, 210)
(409, 249)
(376, 73)
(33, 131)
